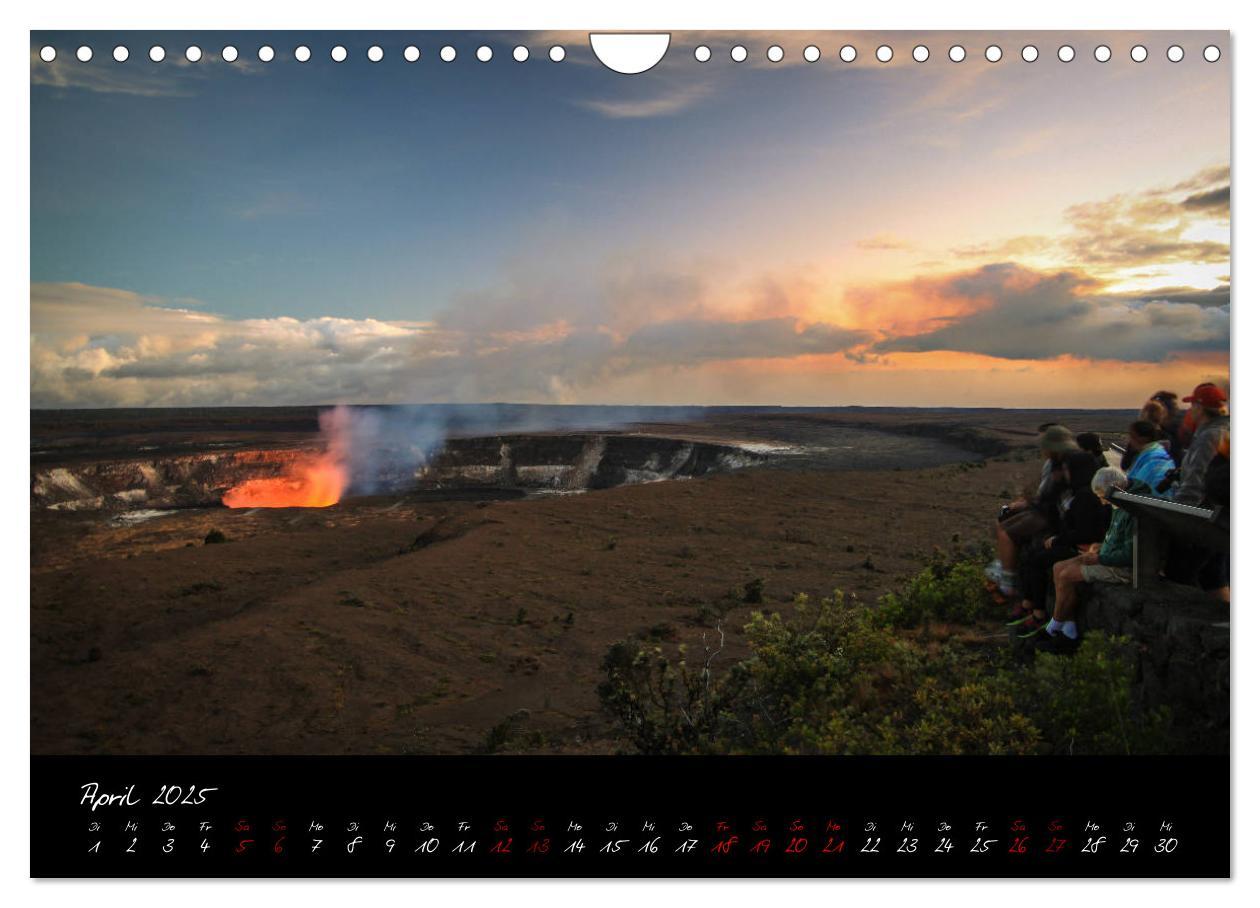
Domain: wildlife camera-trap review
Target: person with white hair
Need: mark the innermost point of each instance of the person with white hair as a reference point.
(1112, 563)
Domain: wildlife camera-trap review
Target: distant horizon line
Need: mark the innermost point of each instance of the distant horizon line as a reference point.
(72, 409)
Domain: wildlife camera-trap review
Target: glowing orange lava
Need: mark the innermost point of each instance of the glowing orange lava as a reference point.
(314, 484)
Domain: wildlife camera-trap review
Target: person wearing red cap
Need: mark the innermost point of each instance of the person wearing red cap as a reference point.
(1211, 424)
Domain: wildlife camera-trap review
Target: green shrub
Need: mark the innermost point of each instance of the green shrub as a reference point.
(946, 590)
(835, 678)
(1083, 704)
(663, 706)
(830, 679)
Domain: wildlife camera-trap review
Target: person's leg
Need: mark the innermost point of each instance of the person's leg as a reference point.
(1067, 578)
(1005, 571)
(1007, 549)
(1035, 580)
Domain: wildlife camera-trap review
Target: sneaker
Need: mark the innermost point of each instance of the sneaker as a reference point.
(1029, 622)
(1038, 627)
(1017, 613)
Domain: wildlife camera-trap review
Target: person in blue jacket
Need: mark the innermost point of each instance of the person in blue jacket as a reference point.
(1151, 460)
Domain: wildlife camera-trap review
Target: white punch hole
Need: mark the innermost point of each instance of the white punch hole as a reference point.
(920, 53)
(302, 53)
(774, 53)
(556, 54)
(703, 54)
(375, 54)
(1030, 53)
(157, 53)
(411, 53)
(812, 54)
(883, 53)
(192, 54)
(485, 54)
(1067, 53)
(1138, 54)
(338, 54)
(48, 53)
(739, 53)
(84, 54)
(628, 53)
(121, 54)
(1102, 53)
(993, 53)
(848, 53)
(958, 53)
(229, 54)
(266, 53)
(1175, 53)
(1211, 53)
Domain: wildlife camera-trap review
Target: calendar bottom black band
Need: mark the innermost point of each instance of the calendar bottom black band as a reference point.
(630, 817)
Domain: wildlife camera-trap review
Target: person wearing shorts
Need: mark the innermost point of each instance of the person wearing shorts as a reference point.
(1112, 563)
(1105, 573)
(1022, 520)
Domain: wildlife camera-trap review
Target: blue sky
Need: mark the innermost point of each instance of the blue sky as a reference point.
(566, 205)
(287, 189)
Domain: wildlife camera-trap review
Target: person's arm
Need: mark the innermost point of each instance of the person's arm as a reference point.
(1117, 548)
(1194, 469)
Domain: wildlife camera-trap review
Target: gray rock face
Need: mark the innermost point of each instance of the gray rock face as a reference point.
(559, 462)
(185, 480)
(1183, 642)
(576, 462)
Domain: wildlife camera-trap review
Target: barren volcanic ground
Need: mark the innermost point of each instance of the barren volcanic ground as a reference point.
(419, 622)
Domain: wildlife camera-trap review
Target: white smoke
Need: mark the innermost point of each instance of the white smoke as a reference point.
(381, 447)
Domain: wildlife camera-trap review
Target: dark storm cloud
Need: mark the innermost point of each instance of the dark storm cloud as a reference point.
(1026, 314)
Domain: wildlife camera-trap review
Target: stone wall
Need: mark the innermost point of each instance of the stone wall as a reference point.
(1182, 636)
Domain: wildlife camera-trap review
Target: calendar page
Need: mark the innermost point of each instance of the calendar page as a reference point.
(602, 454)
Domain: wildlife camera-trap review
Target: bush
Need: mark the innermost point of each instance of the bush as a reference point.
(1084, 704)
(946, 590)
(664, 706)
(215, 537)
(835, 678)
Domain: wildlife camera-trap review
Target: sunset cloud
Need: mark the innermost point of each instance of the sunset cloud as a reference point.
(1030, 315)
(102, 347)
(1130, 230)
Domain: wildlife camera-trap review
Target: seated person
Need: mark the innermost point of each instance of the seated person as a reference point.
(1214, 576)
(1197, 564)
(1171, 423)
(1112, 563)
(1023, 520)
(1089, 441)
(1151, 461)
(1083, 522)
(1210, 419)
